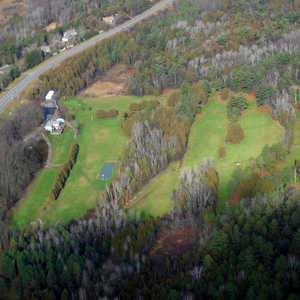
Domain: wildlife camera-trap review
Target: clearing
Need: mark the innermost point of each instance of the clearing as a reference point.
(112, 83)
(9, 8)
(207, 135)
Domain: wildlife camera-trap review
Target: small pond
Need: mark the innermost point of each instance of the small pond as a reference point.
(106, 171)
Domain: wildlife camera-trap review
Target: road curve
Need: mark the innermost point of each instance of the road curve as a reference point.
(30, 76)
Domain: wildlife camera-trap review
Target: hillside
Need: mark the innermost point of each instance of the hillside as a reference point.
(176, 174)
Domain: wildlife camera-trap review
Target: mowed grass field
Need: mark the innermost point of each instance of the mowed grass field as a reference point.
(208, 134)
(100, 141)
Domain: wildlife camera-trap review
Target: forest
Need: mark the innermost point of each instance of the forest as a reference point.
(212, 55)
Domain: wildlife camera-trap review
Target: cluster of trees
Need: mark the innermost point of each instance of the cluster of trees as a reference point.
(64, 173)
(9, 76)
(263, 174)
(109, 255)
(23, 36)
(75, 73)
(158, 136)
(155, 142)
(103, 114)
(197, 191)
(19, 160)
(236, 106)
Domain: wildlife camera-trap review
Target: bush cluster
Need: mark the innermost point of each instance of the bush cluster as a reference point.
(235, 134)
(64, 173)
(103, 114)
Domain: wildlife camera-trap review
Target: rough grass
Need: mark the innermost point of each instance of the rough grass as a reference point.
(99, 141)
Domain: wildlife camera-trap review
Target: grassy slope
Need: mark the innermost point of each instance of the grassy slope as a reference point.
(99, 141)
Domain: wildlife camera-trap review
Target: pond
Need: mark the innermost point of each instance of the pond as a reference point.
(106, 171)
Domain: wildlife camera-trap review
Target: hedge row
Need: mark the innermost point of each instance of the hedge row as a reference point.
(64, 173)
(103, 114)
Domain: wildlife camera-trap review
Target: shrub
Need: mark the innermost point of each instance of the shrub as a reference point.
(173, 99)
(224, 93)
(235, 134)
(103, 114)
(137, 106)
(222, 152)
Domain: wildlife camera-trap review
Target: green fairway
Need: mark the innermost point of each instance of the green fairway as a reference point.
(99, 141)
(208, 134)
(155, 198)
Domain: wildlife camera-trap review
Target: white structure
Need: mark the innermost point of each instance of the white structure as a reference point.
(69, 35)
(46, 49)
(55, 126)
(110, 19)
(50, 95)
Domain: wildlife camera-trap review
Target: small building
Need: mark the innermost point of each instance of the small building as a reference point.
(50, 95)
(69, 35)
(50, 106)
(46, 49)
(111, 20)
(55, 126)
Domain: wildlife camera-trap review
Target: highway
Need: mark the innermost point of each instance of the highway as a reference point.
(30, 76)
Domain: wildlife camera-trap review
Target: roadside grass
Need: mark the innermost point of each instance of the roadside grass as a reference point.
(100, 141)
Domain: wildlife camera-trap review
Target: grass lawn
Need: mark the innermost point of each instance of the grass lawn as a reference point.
(99, 141)
(61, 146)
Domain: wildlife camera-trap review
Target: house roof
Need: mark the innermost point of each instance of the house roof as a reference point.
(49, 95)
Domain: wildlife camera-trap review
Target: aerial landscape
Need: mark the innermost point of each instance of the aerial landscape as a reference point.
(149, 149)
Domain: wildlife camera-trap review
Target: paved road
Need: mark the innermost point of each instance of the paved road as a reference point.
(30, 76)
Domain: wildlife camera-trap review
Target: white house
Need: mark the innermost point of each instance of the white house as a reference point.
(56, 126)
(69, 35)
